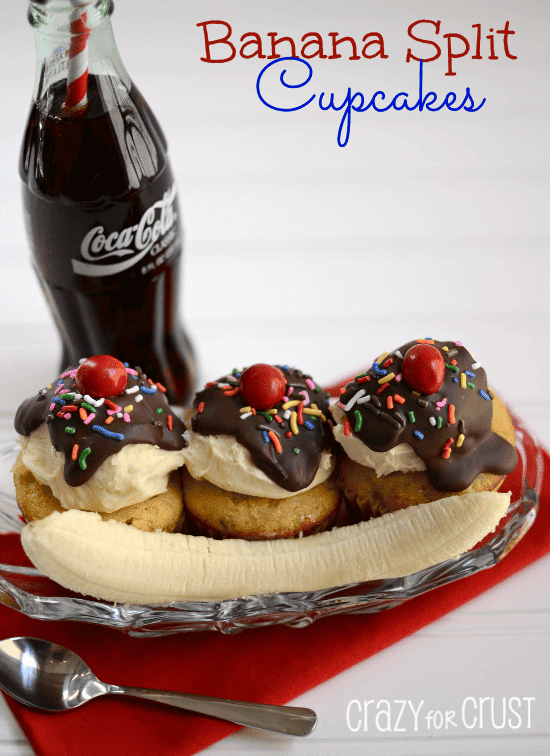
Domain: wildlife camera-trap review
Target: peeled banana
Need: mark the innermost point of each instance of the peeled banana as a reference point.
(116, 562)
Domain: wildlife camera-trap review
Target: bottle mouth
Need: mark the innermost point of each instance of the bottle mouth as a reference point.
(41, 12)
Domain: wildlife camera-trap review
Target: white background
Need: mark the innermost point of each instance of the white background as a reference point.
(300, 251)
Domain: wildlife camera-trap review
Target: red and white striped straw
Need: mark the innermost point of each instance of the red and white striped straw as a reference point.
(77, 73)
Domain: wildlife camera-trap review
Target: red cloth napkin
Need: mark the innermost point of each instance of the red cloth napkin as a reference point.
(269, 665)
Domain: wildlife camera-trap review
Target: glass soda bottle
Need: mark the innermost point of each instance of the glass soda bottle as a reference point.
(100, 202)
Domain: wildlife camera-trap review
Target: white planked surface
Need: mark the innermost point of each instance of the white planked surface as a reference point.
(300, 251)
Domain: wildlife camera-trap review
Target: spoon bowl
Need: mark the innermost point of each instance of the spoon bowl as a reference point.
(48, 676)
(44, 675)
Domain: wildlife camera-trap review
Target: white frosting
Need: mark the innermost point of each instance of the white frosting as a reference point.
(135, 473)
(401, 457)
(227, 464)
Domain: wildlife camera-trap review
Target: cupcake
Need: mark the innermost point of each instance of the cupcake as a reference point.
(420, 425)
(259, 458)
(102, 438)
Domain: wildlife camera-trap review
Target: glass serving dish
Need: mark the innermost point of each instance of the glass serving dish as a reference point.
(25, 589)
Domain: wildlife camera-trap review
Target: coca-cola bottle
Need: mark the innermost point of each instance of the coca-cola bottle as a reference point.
(100, 202)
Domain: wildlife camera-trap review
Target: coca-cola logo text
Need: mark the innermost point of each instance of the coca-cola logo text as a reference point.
(132, 243)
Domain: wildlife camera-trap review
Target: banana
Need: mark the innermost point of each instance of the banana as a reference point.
(116, 562)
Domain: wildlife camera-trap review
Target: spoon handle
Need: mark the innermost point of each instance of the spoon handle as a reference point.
(289, 720)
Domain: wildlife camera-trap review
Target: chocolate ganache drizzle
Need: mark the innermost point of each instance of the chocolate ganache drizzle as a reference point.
(88, 431)
(285, 441)
(449, 429)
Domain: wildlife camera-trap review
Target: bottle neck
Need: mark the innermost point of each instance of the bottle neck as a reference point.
(74, 44)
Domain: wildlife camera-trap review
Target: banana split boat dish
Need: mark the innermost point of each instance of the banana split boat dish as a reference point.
(264, 489)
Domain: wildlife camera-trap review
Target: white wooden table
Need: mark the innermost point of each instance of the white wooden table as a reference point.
(424, 224)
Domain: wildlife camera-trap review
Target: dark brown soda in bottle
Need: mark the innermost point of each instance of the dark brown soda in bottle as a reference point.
(101, 206)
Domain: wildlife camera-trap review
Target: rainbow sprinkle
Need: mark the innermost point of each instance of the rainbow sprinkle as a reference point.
(275, 439)
(108, 433)
(82, 458)
(451, 414)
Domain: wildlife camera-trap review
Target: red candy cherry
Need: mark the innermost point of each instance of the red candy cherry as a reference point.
(262, 386)
(424, 368)
(101, 376)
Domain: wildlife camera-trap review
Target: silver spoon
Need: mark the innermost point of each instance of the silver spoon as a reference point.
(47, 676)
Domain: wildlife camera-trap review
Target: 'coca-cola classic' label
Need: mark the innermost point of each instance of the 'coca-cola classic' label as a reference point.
(153, 235)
